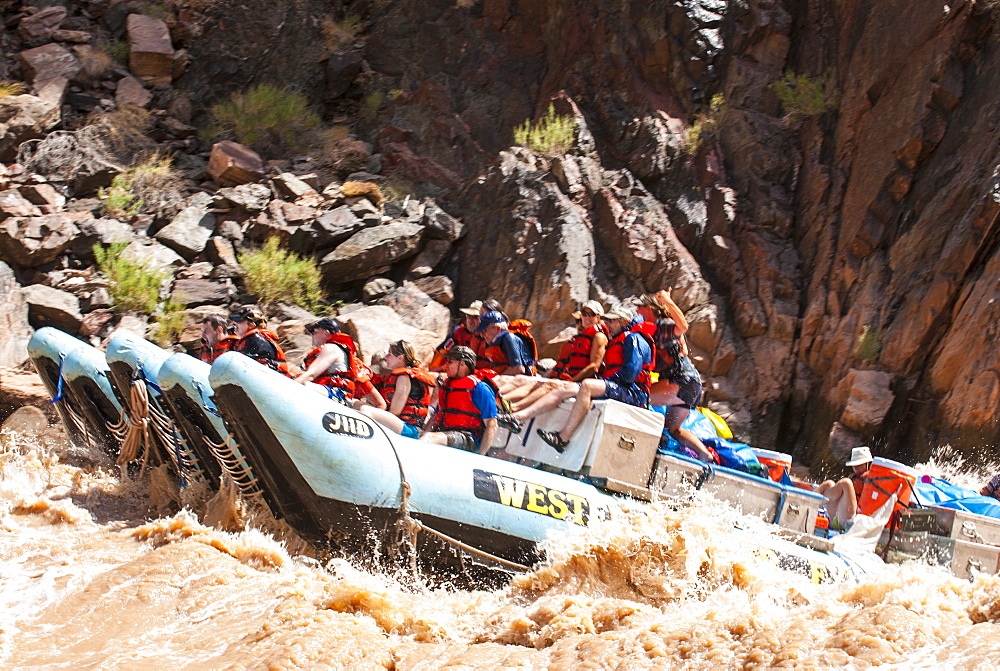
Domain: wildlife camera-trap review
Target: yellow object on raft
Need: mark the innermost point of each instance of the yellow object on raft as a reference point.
(721, 427)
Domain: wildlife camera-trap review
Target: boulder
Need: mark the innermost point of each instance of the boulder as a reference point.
(191, 293)
(418, 309)
(103, 231)
(342, 68)
(153, 256)
(98, 299)
(441, 225)
(13, 320)
(130, 91)
(41, 24)
(19, 391)
(74, 36)
(221, 251)
(151, 54)
(24, 118)
(325, 231)
(33, 241)
(13, 204)
(188, 232)
(370, 249)
(231, 164)
(374, 327)
(437, 287)
(44, 195)
(290, 187)
(48, 63)
(869, 397)
(97, 323)
(376, 288)
(52, 307)
(28, 419)
(429, 257)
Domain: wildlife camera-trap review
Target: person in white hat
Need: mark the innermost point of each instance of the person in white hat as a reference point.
(844, 494)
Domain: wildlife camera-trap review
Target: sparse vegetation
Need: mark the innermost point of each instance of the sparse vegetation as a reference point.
(117, 50)
(803, 96)
(150, 185)
(704, 124)
(338, 34)
(396, 190)
(132, 286)
(170, 322)
(274, 274)
(371, 104)
(96, 63)
(8, 89)
(869, 344)
(343, 155)
(551, 135)
(273, 120)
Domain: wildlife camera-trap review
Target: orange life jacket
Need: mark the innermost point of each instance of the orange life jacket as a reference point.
(226, 344)
(418, 402)
(459, 336)
(578, 355)
(614, 356)
(278, 363)
(498, 360)
(455, 409)
(341, 379)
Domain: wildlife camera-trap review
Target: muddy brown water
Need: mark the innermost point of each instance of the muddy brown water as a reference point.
(100, 572)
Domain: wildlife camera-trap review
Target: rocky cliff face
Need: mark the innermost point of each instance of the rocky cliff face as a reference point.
(839, 265)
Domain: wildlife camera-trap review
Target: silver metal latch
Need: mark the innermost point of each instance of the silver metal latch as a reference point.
(626, 442)
(969, 529)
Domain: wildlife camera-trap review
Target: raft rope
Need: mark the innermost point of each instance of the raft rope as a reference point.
(413, 526)
(235, 466)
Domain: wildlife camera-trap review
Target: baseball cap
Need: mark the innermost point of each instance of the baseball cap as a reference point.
(488, 319)
(463, 354)
(620, 312)
(593, 306)
(326, 323)
(247, 313)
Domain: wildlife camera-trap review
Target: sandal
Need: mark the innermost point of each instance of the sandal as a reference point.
(553, 439)
(509, 422)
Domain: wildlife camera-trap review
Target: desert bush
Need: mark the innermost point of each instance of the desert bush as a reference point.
(551, 135)
(343, 155)
(274, 274)
(273, 120)
(150, 185)
(803, 96)
(371, 104)
(132, 286)
(869, 344)
(338, 34)
(396, 190)
(8, 88)
(96, 63)
(171, 320)
(117, 50)
(704, 124)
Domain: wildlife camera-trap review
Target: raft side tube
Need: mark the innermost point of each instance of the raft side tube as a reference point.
(48, 348)
(85, 374)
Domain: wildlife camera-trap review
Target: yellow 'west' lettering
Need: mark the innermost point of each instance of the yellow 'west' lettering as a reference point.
(558, 509)
(536, 494)
(511, 491)
(577, 503)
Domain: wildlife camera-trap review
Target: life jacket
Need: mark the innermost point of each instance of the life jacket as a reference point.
(418, 402)
(498, 359)
(383, 385)
(228, 343)
(455, 409)
(578, 355)
(278, 363)
(459, 336)
(559, 370)
(669, 351)
(614, 355)
(340, 379)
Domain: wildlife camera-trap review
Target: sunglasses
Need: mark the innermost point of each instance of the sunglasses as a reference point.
(588, 313)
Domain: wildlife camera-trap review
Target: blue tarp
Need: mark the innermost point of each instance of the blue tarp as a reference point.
(732, 454)
(941, 493)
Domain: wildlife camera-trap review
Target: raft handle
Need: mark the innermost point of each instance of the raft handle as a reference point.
(974, 563)
(969, 529)
(627, 443)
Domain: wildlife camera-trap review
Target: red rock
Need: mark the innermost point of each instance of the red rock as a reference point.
(44, 195)
(47, 63)
(232, 163)
(13, 204)
(130, 91)
(151, 54)
(74, 36)
(42, 24)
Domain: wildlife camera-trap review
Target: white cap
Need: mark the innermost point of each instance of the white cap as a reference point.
(860, 455)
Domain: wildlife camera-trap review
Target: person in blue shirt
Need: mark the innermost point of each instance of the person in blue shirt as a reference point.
(466, 411)
(628, 362)
(506, 351)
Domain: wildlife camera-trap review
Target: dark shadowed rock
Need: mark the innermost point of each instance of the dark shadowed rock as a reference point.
(32, 241)
(441, 225)
(418, 309)
(13, 320)
(430, 256)
(43, 195)
(97, 323)
(376, 288)
(52, 307)
(325, 231)
(342, 68)
(41, 24)
(366, 251)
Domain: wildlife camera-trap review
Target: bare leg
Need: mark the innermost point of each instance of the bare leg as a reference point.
(560, 391)
(435, 437)
(842, 504)
(383, 417)
(509, 384)
(674, 418)
(664, 393)
(590, 389)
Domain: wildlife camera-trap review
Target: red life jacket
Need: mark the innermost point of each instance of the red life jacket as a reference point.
(479, 345)
(341, 379)
(614, 356)
(226, 344)
(559, 370)
(455, 409)
(462, 336)
(580, 345)
(497, 358)
(418, 402)
(278, 363)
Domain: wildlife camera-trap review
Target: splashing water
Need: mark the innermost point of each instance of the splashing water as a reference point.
(86, 579)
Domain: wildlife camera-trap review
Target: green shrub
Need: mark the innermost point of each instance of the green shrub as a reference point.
(171, 319)
(132, 286)
(704, 124)
(150, 183)
(274, 274)
(118, 199)
(338, 34)
(118, 50)
(551, 135)
(869, 344)
(803, 96)
(8, 88)
(371, 104)
(273, 120)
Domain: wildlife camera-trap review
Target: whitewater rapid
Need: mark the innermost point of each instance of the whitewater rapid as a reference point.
(100, 571)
